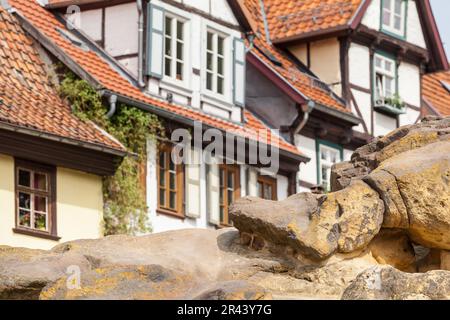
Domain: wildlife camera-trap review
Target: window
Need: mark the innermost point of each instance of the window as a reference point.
(229, 190)
(170, 183)
(327, 157)
(215, 62)
(393, 13)
(174, 48)
(385, 77)
(267, 188)
(35, 198)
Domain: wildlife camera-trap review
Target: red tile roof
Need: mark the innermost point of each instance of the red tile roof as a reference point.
(299, 80)
(434, 92)
(290, 18)
(27, 97)
(109, 78)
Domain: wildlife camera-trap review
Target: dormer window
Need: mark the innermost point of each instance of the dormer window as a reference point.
(215, 62)
(174, 48)
(393, 16)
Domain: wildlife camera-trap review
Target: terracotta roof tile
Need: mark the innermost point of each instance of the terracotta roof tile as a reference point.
(435, 93)
(311, 87)
(289, 18)
(28, 99)
(108, 77)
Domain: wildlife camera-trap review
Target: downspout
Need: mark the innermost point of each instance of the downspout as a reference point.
(310, 107)
(112, 106)
(140, 44)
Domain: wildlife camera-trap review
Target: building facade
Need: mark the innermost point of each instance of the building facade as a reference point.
(51, 163)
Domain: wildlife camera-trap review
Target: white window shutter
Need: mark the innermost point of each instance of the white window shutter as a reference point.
(252, 183)
(192, 183)
(155, 41)
(239, 72)
(213, 188)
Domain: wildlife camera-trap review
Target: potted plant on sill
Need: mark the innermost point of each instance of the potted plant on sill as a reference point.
(392, 105)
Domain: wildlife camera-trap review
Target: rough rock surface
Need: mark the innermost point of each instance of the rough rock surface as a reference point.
(387, 283)
(314, 226)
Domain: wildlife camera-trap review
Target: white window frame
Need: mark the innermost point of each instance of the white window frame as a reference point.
(390, 27)
(385, 73)
(327, 163)
(186, 57)
(225, 56)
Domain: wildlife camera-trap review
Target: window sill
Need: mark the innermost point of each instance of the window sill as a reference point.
(389, 110)
(176, 86)
(36, 234)
(221, 102)
(170, 213)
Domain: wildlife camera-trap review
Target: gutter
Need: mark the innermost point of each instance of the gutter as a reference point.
(187, 121)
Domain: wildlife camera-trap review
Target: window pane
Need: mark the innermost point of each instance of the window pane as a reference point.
(40, 181)
(173, 200)
(40, 204)
(179, 71)
(260, 190)
(220, 85)
(220, 65)
(168, 26)
(221, 214)
(209, 61)
(324, 174)
(168, 67)
(378, 62)
(24, 218)
(162, 197)
(386, 18)
(220, 45)
(389, 87)
(398, 7)
(168, 49)
(222, 196)
(40, 221)
(162, 160)
(397, 23)
(209, 81)
(24, 178)
(162, 178)
(173, 185)
(230, 197)
(388, 65)
(179, 50)
(231, 180)
(24, 201)
(387, 4)
(179, 30)
(268, 192)
(209, 41)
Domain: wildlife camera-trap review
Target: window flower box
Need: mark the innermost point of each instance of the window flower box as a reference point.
(392, 105)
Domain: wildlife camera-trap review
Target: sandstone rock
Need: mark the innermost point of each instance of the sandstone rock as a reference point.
(431, 261)
(445, 260)
(343, 173)
(235, 290)
(151, 282)
(393, 247)
(387, 283)
(316, 227)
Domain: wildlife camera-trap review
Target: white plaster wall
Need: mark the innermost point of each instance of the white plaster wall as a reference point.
(121, 29)
(372, 17)
(359, 65)
(383, 124)
(282, 187)
(409, 83)
(131, 64)
(308, 171)
(348, 154)
(410, 117)
(414, 32)
(364, 101)
(91, 23)
(216, 8)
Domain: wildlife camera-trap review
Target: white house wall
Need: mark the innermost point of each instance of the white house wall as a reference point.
(383, 124)
(409, 83)
(217, 8)
(414, 32)
(308, 171)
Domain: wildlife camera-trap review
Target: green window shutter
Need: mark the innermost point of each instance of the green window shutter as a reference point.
(239, 72)
(155, 41)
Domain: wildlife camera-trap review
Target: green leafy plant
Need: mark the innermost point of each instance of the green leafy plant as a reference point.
(395, 101)
(125, 210)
